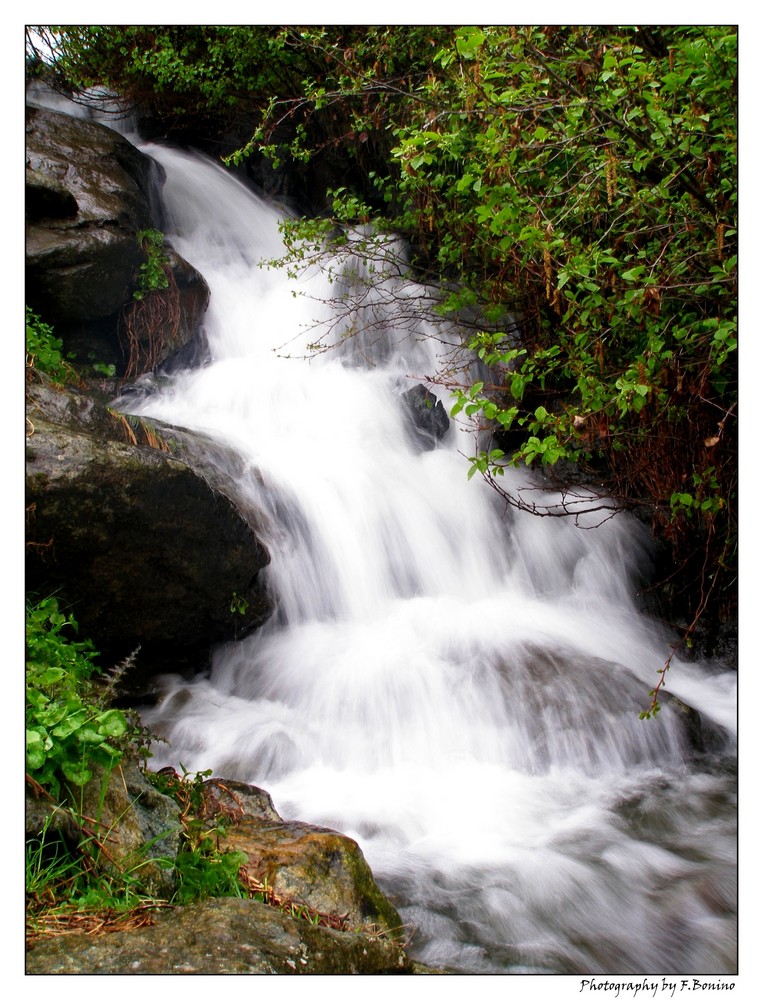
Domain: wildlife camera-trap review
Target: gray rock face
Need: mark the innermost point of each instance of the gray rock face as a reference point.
(137, 822)
(88, 195)
(219, 937)
(429, 422)
(137, 541)
(89, 192)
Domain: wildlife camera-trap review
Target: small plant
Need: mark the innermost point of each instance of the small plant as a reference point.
(207, 872)
(203, 869)
(109, 371)
(153, 274)
(49, 869)
(67, 891)
(153, 317)
(69, 731)
(704, 499)
(238, 605)
(44, 350)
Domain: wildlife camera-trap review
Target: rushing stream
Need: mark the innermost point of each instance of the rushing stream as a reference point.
(453, 684)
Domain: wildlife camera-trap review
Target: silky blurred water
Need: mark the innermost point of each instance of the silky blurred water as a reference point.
(453, 684)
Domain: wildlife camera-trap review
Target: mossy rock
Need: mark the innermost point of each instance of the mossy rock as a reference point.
(219, 937)
(311, 865)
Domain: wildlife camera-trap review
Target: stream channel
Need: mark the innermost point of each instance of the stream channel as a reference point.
(453, 683)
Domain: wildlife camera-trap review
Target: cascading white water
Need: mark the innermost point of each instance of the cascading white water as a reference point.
(455, 686)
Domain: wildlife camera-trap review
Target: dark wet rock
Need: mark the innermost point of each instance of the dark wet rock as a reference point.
(88, 193)
(429, 422)
(140, 544)
(703, 736)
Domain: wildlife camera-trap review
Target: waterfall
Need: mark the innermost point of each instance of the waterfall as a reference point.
(453, 684)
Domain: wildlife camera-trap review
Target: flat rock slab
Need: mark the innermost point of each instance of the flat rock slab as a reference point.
(219, 937)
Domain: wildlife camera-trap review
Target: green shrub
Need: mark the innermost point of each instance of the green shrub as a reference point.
(69, 730)
(153, 276)
(43, 350)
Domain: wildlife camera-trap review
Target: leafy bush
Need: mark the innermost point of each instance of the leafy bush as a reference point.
(44, 349)
(576, 186)
(153, 274)
(69, 732)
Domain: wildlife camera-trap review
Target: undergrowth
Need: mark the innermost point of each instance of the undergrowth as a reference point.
(70, 730)
(74, 737)
(44, 351)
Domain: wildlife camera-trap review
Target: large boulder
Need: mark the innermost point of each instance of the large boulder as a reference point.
(88, 193)
(140, 544)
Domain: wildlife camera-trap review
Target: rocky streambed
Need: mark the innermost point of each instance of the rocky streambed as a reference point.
(313, 906)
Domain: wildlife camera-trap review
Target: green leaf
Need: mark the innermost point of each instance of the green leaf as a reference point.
(89, 735)
(70, 724)
(35, 750)
(112, 723)
(35, 758)
(468, 40)
(77, 772)
(50, 676)
(634, 273)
